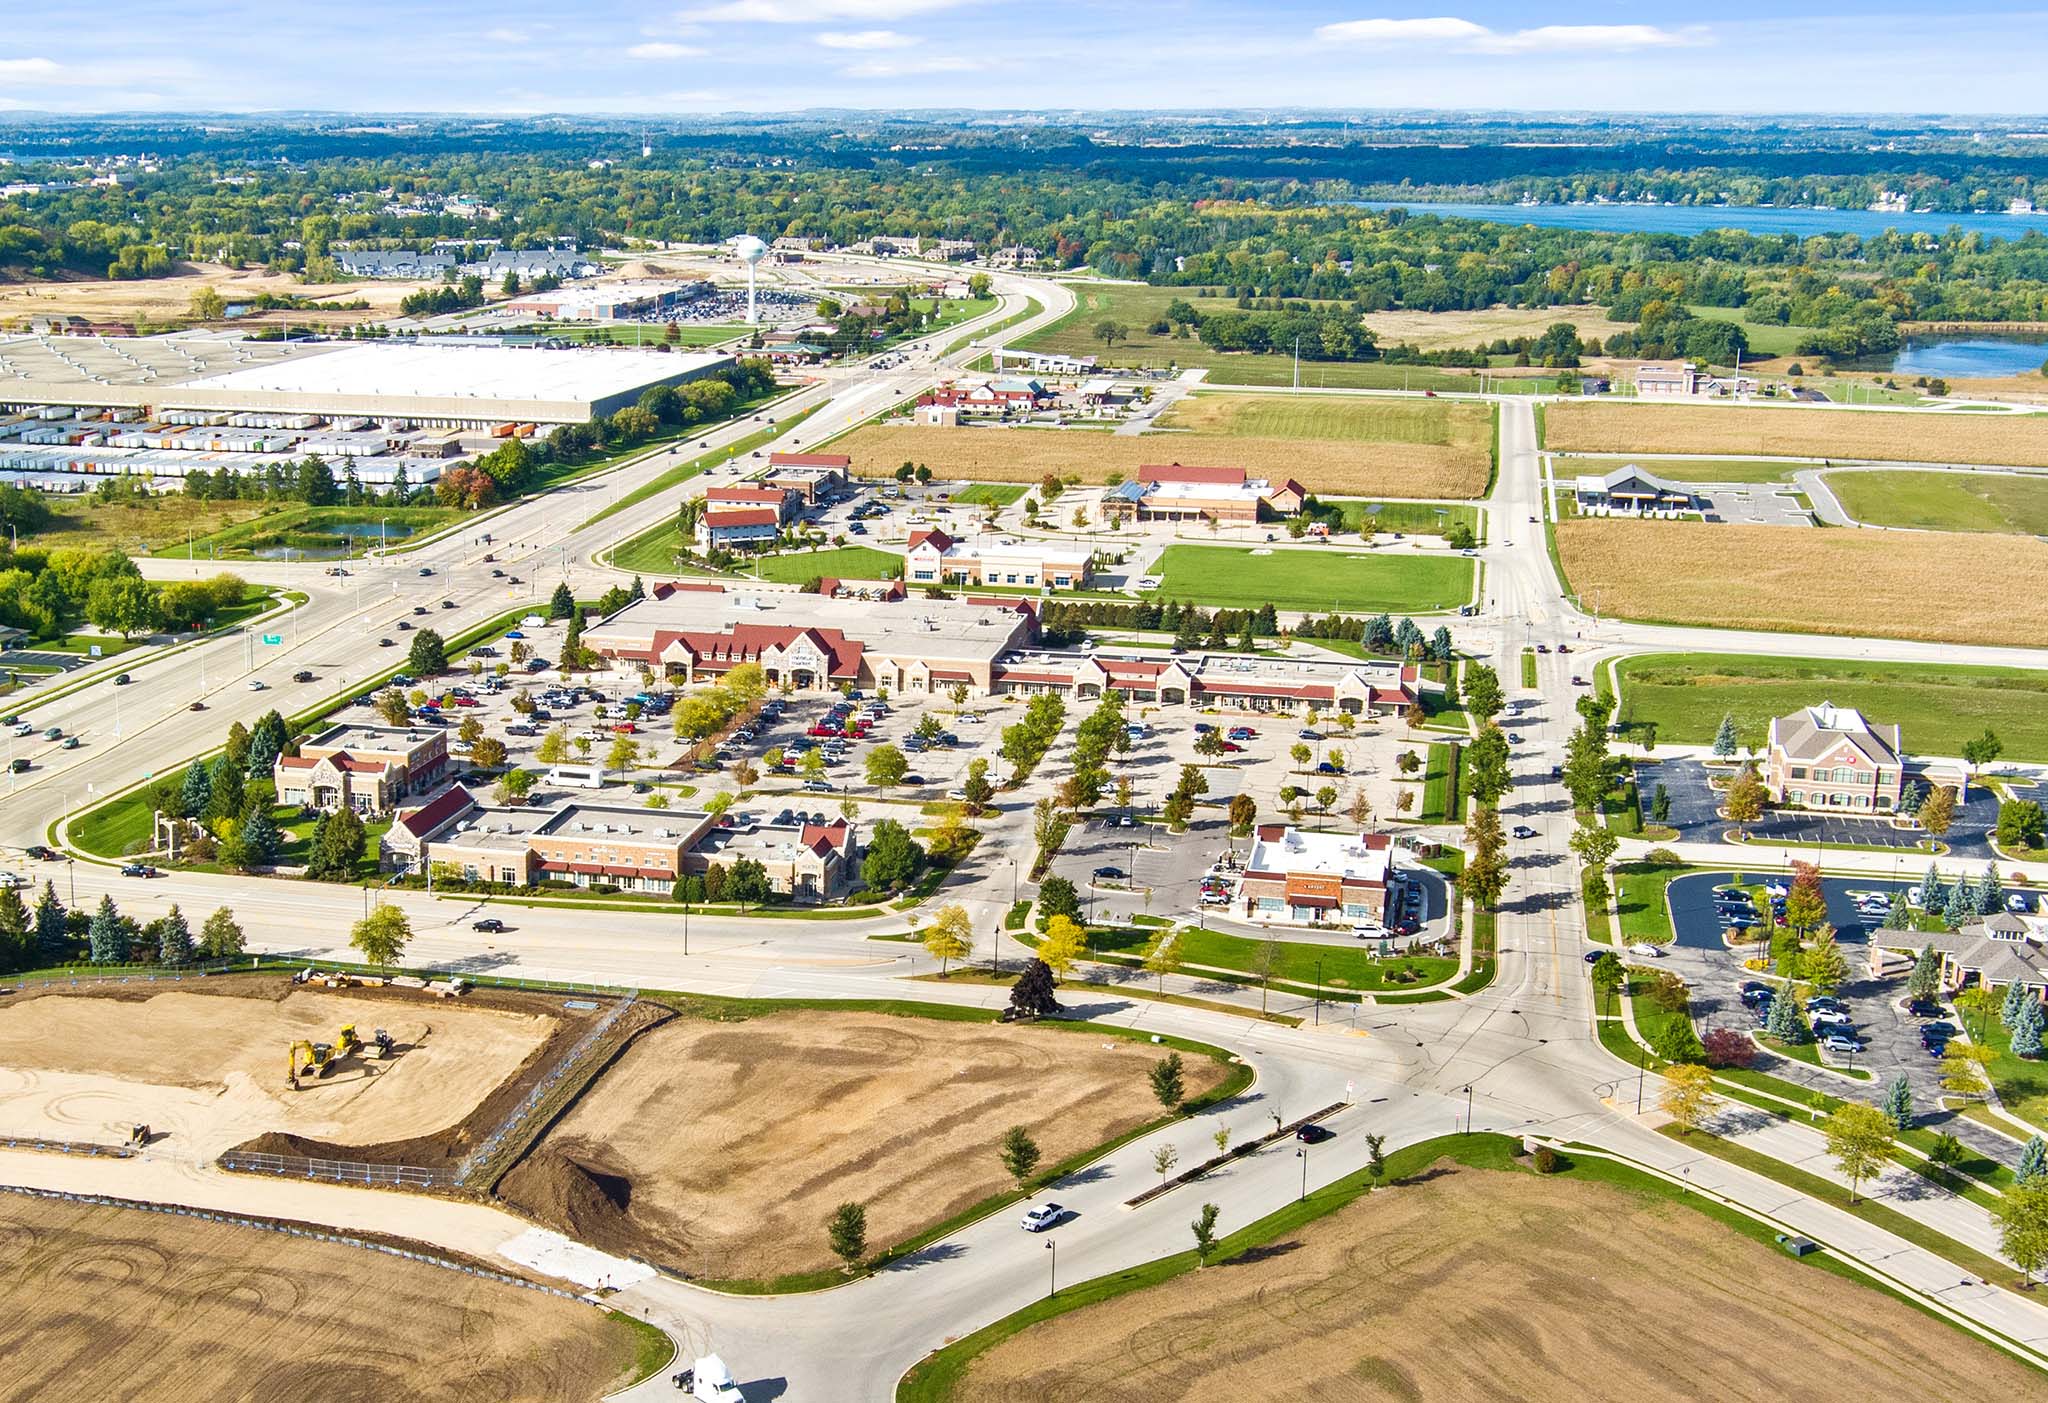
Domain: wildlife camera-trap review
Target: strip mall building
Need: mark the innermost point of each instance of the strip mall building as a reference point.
(698, 632)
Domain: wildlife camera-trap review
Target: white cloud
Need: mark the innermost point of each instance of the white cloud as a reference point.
(814, 11)
(1450, 32)
(1402, 31)
(868, 39)
(661, 50)
(31, 70)
(1596, 38)
(909, 67)
(508, 36)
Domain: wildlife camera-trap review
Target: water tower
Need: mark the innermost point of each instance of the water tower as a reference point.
(750, 251)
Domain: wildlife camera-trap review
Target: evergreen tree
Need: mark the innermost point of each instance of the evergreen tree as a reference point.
(266, 743)
(1990, 891)
(562, 603)
(572, 642)
(638, 592)
(196, 792)
(52, 937)
(1931, 895)
(1787, 1021)
(1958, 907)
(225, 796)
(17, 943)
(1900, 916)
(1379, 634)
(2027, 1030)
(2015, 999)
(1725, 739)
(2033, 1160)
(260, 835)
(107, 936)
(1925, 982)
(174, 939)
(1898, 1101)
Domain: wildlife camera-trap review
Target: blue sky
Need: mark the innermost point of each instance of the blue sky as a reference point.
(776, 55)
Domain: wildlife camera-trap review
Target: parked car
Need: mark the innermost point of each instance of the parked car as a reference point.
(1108, 873)
(1647, 950)
(817, 786)
(1842, 1042)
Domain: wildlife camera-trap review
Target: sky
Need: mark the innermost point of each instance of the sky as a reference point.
(707, 56)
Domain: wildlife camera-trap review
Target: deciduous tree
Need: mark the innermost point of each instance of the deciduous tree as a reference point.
(381, 936)
(1688, 1096)
(1860, 1138)
(1019, 1153)
(1168, 1081)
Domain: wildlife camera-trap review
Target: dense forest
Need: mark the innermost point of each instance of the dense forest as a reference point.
(1240, 212)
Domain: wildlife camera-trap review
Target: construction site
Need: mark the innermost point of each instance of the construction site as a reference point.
(716, 1149)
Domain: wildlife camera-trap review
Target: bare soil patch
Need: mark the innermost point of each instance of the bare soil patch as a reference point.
(1485, 1284)
(1879, 584)
(1578, 426)
(1435, 331)
(170, 299)
(1328, 468)
(718, 1149)
(106, 1302)
(206, 1064)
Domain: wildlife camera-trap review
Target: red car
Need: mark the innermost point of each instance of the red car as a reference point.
(465, 701)
(625, 728)
(823, 730)
(1231, 747)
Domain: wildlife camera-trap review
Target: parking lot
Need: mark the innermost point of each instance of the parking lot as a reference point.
(1890, 1034)
(1756, 506)
(1695, 804)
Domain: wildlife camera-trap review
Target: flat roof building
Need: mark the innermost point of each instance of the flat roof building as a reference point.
(936, 558)
(1302, 878)
(370, 769)
(1174, 492)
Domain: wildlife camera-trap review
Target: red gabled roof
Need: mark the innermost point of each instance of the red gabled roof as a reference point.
(810, 460)
(745, 643)
(431, 815)
(743, 516)
(821, 837)
(941, 542)
(669, 587)
(1175, 472)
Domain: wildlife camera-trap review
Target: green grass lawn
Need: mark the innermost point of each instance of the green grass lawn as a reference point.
(999, 494)
(1341, 966)
(1932, 501)
(2022, 1082)
(1639, 893)
(1446, 423)
(1438, 795)
(1937, 706)
(1529, 667)
(1765, 338)
(1232, 578)
(844, 563)
(1688, 469)
(1247, 369)
(143, 525)
(1410, 518)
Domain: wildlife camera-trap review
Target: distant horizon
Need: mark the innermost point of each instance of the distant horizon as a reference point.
(2017, 119)
(732, 57)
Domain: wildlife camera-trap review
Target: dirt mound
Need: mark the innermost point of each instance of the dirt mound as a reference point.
(569, 1186)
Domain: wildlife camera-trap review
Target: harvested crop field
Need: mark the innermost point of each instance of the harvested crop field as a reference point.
(1578, 426)
(1330, 467)
(109, 1302)
(170, 299)
(1879, 584)
(207, 1069)
(1488, 1284)
(718, 1149)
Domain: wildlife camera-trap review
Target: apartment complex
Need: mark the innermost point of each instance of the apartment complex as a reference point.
(631, 849)
(1302, 878)
(1832, 757)
(370, 769)
(936, 558)
(1174, 492)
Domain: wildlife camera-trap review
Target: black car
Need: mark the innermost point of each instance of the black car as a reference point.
(1313, 1134)
(41, 853)
(1108, 872)
(489, 925)
(302, 676)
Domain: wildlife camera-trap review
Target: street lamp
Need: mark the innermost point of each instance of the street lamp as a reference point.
(1468, 1108)
(1642, 1068)
(1302, 1155)
(1052, 1285)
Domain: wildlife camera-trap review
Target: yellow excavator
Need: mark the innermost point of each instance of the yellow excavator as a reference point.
(320, 1059)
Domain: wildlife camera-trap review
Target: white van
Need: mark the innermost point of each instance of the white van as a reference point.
(577, 776)
(534, 621)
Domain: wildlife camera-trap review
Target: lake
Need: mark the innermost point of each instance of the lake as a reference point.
(374, 530)
(1963, 357)
(1697, 219)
